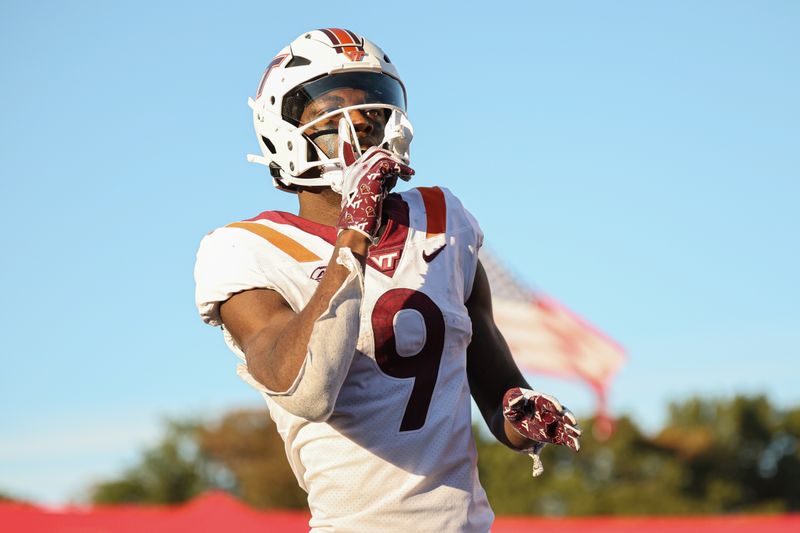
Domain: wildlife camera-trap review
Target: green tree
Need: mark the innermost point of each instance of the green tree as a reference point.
(741, 454)
(241, 453)
(6, 497)
(625, 475)
(173, 471)
(712, 456)
(248, 447)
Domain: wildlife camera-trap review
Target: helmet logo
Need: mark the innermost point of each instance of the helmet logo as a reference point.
(272, 64)
(355, 54)
(346, 42)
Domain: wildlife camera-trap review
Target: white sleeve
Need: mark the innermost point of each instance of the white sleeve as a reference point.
(225, 265)
(330, 351)
(228, 264)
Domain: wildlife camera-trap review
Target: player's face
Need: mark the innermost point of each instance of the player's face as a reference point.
(369, 123)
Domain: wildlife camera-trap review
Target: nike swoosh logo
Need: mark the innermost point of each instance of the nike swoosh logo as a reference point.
(431, 256)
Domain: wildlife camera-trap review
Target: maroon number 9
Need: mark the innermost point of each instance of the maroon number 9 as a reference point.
(424, 366)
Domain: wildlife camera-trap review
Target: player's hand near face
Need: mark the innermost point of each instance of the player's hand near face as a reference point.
(273, 337)
(366, 182)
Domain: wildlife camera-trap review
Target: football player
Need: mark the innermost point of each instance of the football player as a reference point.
(365, 321)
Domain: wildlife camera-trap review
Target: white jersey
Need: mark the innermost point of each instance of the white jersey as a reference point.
(398, 450)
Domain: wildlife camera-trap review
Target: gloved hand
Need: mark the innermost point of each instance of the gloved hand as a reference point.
(366, 182)
(542, 418)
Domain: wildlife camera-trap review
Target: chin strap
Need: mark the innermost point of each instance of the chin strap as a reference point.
(334, 177)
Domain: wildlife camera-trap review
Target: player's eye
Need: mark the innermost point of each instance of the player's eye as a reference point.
(374, 114)
(325, 110)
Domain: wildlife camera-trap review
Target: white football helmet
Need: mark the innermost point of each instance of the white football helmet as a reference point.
(296, 141)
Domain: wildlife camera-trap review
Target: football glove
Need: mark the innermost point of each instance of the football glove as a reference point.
(366, 182)
(542, 418)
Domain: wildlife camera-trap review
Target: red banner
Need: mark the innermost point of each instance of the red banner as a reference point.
(216, 511)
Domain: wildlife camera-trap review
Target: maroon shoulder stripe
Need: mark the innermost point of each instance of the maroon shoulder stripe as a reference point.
(327, 233)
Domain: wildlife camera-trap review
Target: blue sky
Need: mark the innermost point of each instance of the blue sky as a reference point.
(637, 161)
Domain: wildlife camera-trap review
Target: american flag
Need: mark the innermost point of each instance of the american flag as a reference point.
(547, 338)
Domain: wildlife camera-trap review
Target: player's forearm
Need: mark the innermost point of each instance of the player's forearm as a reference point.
(504, 432)
(276, 359)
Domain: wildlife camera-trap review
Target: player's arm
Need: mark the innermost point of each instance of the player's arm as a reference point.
(302, 359)
(517, 416)
(272, 336)
(490, 367)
